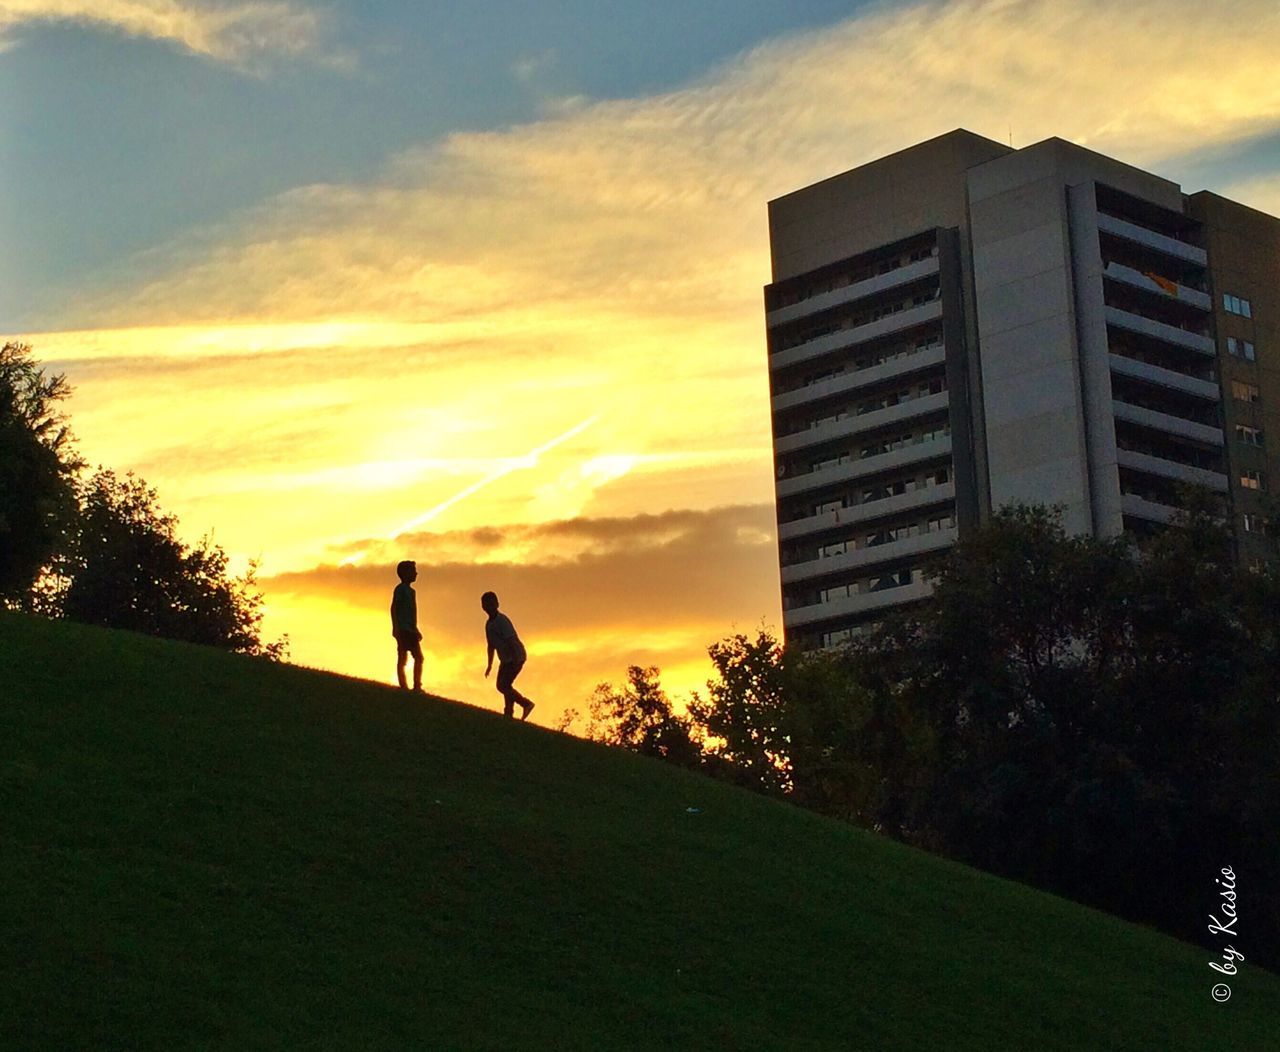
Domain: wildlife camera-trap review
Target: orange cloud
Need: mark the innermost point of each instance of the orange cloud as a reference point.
(589, 596)
(642, 572)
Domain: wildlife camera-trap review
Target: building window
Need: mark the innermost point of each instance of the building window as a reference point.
(1253, 480)
(1254, 523)
(1251, 436)
(1241, 349)
(840, 636)
(894, 579)
(1243, 392)
(1236, 305)
(822, 465)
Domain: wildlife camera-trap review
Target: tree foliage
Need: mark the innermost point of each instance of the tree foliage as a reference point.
(101, 550)
(639, 716)
(1094, 719)
(128, 569)
(37, 471)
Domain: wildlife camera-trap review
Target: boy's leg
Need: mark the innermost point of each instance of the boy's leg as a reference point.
(506, 673)
(417, 666)
(524, 702)
(402, 655)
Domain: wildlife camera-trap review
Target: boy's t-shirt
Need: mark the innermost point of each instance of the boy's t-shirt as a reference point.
(501, 634)
(404, 609)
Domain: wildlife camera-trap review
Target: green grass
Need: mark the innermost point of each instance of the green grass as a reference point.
(201, 850)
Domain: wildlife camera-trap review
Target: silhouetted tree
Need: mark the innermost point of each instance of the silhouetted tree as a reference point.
(37, 472)
(1091, 718)
(128, 569)
(804, 726)
(745, 714)
(793, 725)
(640, 717)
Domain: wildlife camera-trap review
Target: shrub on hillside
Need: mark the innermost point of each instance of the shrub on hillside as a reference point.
(639, 716)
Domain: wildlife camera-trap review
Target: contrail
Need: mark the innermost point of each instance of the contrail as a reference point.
(529, 460)
(514, 464)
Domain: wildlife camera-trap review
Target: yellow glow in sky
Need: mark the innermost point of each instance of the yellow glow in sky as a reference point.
(351, 375)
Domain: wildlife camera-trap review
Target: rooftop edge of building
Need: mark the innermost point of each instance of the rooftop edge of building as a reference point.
(886, 200)
(1073, 163)
(1210, 198)
(944, 144)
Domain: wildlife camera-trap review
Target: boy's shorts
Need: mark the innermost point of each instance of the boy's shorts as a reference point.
(507, 672)
(408, 643)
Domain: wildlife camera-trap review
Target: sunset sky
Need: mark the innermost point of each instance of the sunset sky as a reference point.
(480, 284)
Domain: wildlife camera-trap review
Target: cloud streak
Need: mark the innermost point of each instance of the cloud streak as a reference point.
(239, 34)
(660, 200)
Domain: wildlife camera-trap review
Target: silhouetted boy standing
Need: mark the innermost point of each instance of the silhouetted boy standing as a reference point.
(502, 639)
(404, 624)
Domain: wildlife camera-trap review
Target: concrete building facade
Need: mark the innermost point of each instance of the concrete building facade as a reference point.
(963, 325)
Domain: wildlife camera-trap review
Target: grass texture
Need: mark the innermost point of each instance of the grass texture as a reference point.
(200, 850)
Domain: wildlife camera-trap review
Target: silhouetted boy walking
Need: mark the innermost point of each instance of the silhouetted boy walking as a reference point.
(404, 624)
(502, 639)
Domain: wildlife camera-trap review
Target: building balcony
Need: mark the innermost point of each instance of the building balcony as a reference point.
(861, 423)
(873, 509)
(1171, 469)
(1155, 374)
(855, 605)
(852, 293)
(856, 469)
(1193, 341)
(861, 558)
(1160, 242)
(1140, 508)
(1174, 425)
(834, 386)
(836, 341)
(1162, 287)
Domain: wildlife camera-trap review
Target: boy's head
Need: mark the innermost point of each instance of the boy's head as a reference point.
(489, 601)
(407, 571)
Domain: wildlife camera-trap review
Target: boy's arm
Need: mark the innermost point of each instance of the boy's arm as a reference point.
(489, 667)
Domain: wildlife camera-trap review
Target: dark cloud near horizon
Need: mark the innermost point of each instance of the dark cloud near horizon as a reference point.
(645, 575)
(596, 533)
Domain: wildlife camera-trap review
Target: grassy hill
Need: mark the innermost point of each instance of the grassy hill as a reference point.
(201, 850)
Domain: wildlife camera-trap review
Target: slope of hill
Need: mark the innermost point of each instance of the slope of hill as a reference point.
(203, 850)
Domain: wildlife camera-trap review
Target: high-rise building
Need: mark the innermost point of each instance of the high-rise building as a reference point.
(962, 325)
